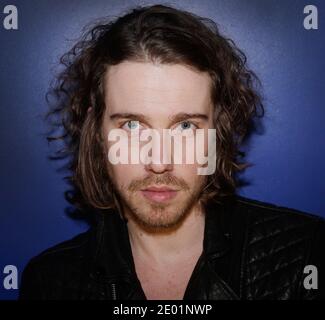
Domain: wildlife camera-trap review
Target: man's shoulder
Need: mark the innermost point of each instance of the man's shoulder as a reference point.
(46, 271)
(265, 213)
(270, 222)
(66, 254)
(279, 243)
(71, 248)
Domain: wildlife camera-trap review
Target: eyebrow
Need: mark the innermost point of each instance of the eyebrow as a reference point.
(185, 116)
(182, 116)
(126, 115)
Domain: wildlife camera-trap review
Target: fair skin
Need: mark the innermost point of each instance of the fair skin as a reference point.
(165, 225)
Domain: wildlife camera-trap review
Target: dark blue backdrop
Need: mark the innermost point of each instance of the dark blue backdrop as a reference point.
(288, 157)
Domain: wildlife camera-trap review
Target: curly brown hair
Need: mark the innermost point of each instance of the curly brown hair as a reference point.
(155, 33)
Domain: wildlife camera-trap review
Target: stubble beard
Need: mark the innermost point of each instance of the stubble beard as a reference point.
(154, 216)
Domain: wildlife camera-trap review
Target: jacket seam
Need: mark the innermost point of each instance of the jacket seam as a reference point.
(292, 243)
(277, 233)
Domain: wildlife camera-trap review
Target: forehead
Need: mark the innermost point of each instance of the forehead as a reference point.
(156, 89)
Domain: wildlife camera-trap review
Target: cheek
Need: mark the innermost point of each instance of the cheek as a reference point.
(123, 174)
(189, 173)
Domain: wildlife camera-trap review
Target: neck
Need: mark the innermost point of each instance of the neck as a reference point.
(169, 245)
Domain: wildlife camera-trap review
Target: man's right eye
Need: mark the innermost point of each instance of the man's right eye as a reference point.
(131, 125)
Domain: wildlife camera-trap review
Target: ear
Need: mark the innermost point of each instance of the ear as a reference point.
(89, 109)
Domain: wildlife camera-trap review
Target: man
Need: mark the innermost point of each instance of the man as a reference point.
(160, 229)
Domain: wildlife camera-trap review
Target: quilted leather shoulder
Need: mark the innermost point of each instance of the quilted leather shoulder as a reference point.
(279, 243)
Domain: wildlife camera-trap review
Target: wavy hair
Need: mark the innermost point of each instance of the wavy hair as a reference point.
(155, 33)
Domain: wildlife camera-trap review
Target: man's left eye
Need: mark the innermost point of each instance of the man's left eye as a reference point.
(185, 125)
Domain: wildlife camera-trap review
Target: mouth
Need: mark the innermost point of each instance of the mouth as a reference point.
(159, 194)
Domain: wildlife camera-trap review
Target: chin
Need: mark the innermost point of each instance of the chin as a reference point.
(158, 216)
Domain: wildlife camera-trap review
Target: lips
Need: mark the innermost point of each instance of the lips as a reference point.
(159, 194)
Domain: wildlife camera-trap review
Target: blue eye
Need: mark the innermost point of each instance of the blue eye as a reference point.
(131, 125)
(185, 125)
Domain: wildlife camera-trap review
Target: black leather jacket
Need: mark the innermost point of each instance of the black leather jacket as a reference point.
(251, 250)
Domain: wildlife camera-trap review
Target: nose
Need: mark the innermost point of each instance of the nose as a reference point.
(160, 155)
(158, 168)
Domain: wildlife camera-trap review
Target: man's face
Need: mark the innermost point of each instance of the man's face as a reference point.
(142, 96)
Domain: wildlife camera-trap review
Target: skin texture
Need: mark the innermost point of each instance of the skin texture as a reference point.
(166, 236)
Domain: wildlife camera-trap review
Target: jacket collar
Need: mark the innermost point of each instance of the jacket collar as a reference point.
(217, 236)
(112, 255)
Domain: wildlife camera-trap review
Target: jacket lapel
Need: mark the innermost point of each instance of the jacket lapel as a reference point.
(205, 283)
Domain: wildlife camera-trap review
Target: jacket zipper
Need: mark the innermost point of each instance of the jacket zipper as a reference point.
(113, 291)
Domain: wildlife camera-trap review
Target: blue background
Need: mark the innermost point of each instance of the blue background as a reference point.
(288, 157)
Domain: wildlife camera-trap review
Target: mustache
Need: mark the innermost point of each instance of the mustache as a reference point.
(166, 180)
